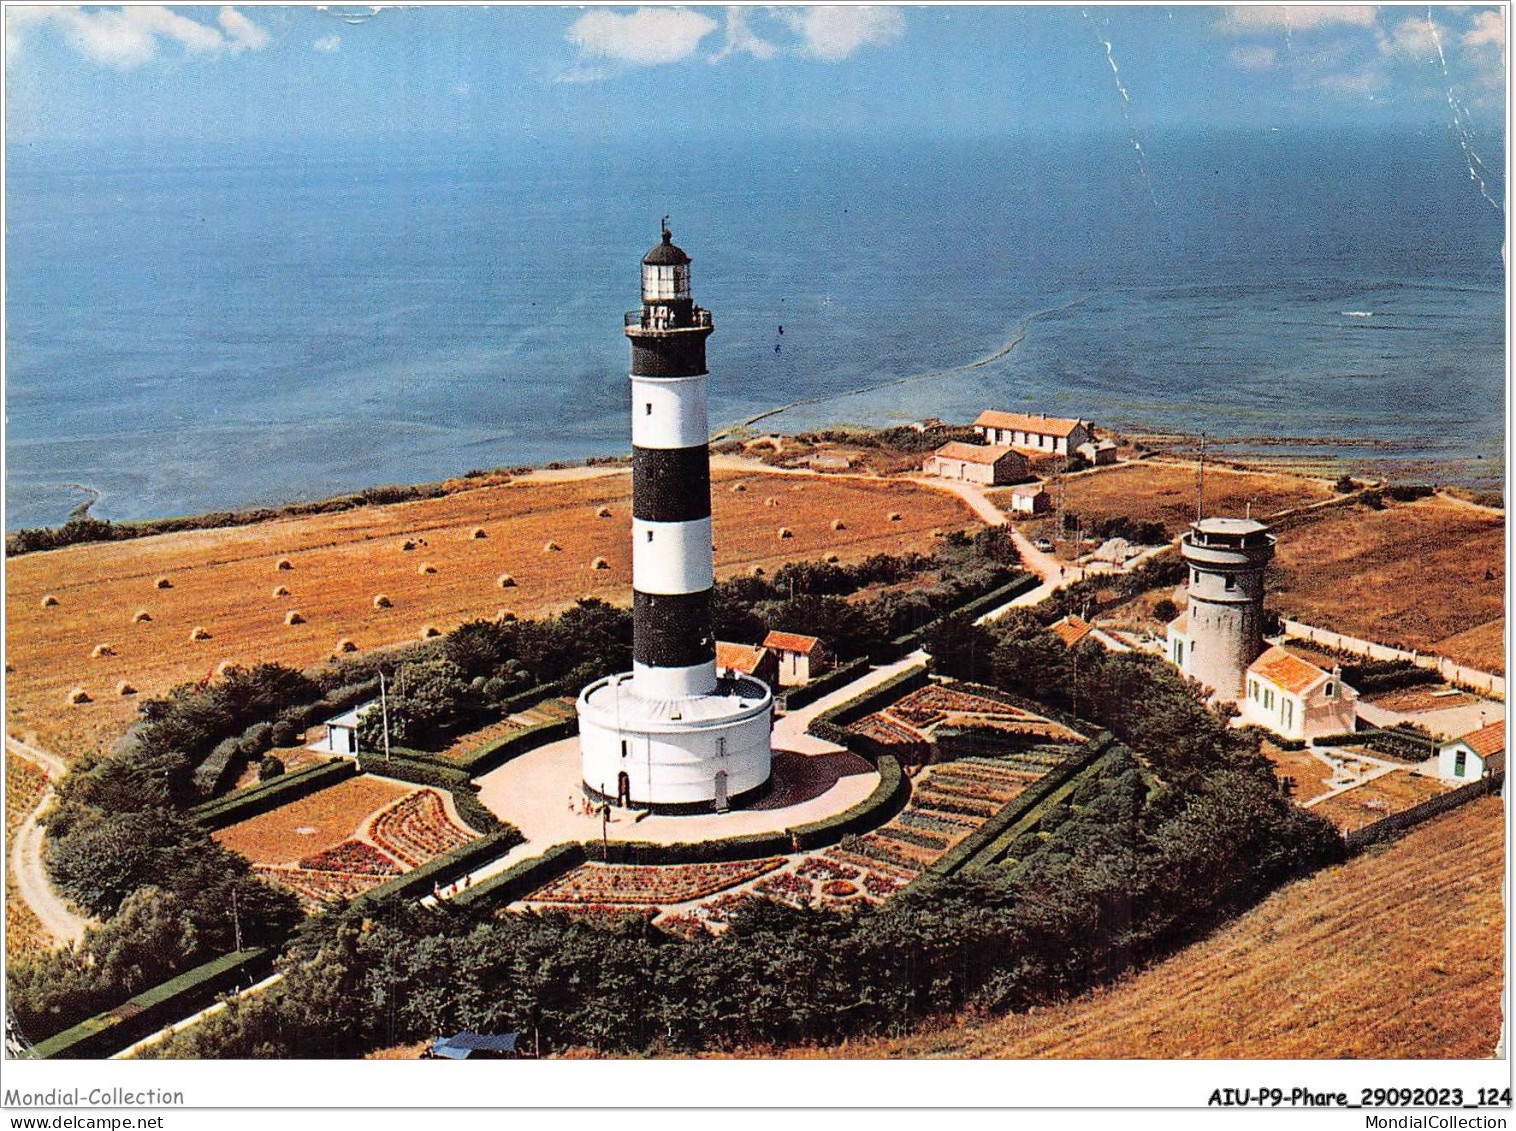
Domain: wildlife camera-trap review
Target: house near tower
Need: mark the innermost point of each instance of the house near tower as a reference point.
(1295, 698)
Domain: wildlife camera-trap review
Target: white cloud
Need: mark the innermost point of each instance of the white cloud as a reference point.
(1268, 17)
(241, 33)
(1411, 39)
(327, 43)
(832, 33)
(1487, 30)
(128, 37)
(742, 40)
(1254, 58)
(1364, 83)
(643, 38)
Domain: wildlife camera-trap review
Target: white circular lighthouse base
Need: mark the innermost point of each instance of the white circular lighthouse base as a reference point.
(676, 755)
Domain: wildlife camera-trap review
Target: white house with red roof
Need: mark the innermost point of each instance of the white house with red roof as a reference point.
(1296, 699)
(1474, 755)
(747, 659)
(801, 658)
(1074, 630)
(1055, 435)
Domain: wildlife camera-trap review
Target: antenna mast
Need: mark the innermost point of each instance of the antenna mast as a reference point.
(1200, 483)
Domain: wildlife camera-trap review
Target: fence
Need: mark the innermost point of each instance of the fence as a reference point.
(1489, 684)
(1409, 818)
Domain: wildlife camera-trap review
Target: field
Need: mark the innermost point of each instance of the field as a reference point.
(1158, 491)
(24, 785)
(224, 581)
(332, 815)
(1395, 954)
(1428, 575)
(1373, 801)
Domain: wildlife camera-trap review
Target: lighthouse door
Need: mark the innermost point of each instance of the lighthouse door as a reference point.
(721, 800)
(623, 789)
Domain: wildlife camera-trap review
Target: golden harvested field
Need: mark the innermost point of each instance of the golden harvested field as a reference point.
(1373, 801)
(1413, 574)
(332, 815)
(1397, 954)
(224, 581)
(1157, 491)
(24, 786)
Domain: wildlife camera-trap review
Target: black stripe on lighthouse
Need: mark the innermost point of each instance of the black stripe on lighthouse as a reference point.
(671, 484)
(672, 630)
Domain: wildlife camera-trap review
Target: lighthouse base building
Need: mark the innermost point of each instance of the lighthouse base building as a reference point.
(670, 735)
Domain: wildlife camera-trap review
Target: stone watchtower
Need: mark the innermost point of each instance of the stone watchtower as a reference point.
(1221, 632)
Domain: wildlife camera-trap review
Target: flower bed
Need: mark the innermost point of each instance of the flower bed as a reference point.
(929, 799)
(787, 886)
(869, 863)
(879, 851)
(932, 842)
(684, 925)
(823, 869)
(839, 889)
(719, 911)
(949, 701)
(881, 885)
(318, 889)
(890, 732)
(596, 910)
(417, 828)
(650, 884)
(914, 818)
(352, 856)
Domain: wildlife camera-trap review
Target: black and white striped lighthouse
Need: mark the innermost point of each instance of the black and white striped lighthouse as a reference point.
(673, 569)
(670, 735)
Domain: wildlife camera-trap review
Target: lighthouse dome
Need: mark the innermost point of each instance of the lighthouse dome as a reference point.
(666, 253)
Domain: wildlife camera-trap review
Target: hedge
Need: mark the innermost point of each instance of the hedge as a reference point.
(108, 1033)
(975, 849)
(497, 753)
(829, 724)
(888, 798)
(824, 685)
(528, 698)
(513, 883)
(420, 881)
(256, 799)
(1386, 740)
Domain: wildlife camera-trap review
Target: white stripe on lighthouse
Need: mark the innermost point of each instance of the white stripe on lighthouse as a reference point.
(669, 412)
(672, 557)
(673, 683)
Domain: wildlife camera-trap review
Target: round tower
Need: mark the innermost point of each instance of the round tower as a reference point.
(1221, 632)
(670, 735)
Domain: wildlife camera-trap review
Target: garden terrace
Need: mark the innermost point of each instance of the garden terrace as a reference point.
(649, 885)
(417, 828)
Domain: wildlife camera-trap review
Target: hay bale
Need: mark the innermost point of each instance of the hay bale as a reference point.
(603, 512)
(164, 583)
(832, 559)
(224, 666)
(757, 571)
(505, 616)
(199, 633)
(786, 532)
(838, 524)
(101, 650)
(425, 568)
(78, 695)
(600, 563)
(738, 488)
(49, 601)
(771, 501)
(281, 591)
(346, 645)
(141, 616)
(478, 532)
(429, 631)
(551, 547)
(382, 602)
(293, 617)
(285, 564)
(123, 689)
(894, 516)
(407, 546)
(506, 581)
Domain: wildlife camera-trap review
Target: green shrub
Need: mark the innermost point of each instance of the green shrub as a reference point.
(270, 768)
(245, 803)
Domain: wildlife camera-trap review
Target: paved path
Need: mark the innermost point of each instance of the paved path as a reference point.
(27, 867)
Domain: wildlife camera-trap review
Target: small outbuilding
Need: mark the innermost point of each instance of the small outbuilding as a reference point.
(988, 465)
(1296, 699)
(1073, 630)
(1098, 453)
(1029, 499)
(1474, 755)
(800, 658)
(747, 659)
(342, 731)
(462, 1046)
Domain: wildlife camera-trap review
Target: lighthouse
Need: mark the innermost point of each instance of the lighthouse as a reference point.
(670, 735)
(1221, 632)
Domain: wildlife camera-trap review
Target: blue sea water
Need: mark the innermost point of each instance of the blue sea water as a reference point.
(196, 328)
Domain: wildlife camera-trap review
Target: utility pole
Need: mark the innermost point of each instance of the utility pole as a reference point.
(384, 716)
(236, 922)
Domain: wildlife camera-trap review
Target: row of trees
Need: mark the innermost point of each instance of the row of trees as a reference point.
(1147, 856)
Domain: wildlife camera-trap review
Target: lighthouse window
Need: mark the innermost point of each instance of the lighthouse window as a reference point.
(1231, 582)
(649, 411)
(649, 535)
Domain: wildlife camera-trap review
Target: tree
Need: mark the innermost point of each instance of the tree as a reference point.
(270, 768)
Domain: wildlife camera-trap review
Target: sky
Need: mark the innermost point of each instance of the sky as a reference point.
(264, 74)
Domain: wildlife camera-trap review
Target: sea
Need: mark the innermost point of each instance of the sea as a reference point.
(192, 327)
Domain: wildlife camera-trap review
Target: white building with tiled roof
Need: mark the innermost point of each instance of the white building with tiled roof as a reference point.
(1474, 755)
(801, 658)
(1046, 434)
(1296, 699)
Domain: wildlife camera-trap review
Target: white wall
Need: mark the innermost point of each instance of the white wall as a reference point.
(680, 767)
